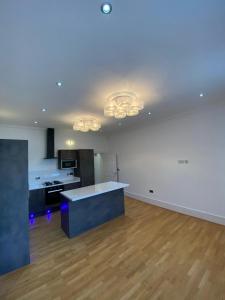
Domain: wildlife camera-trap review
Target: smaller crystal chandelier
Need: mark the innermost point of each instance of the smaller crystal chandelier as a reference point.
(86, 124)
(120, 105)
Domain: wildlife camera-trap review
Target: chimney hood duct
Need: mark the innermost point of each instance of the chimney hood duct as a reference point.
(50, 143)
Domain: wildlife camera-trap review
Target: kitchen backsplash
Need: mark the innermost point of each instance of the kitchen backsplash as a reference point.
(41, 176)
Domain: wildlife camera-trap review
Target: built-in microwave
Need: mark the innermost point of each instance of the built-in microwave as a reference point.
(68, 164)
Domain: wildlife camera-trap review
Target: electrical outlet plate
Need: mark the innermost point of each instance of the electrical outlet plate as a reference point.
(183, 161)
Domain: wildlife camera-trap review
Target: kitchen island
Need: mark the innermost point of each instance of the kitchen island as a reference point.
(87, 207)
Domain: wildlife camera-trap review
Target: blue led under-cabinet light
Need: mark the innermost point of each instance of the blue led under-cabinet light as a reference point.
(49, 215)
(32, 219)
(64, 207)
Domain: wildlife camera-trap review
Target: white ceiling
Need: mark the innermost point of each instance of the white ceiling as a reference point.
(167, 52)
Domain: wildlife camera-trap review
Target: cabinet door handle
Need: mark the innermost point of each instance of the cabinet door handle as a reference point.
(50, 192)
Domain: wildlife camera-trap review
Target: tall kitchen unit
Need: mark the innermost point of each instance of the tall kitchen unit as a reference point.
(14, 227)
(85, 167)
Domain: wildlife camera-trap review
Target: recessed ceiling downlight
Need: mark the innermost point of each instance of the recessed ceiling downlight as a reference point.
(106, 8)
(44, 109)
(59, 83)
(201, 95)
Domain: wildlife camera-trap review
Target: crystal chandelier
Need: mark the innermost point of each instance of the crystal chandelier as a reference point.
(86, 124)
(123, 104)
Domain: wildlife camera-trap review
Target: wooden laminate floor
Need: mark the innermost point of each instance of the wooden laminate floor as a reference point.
(151, 253)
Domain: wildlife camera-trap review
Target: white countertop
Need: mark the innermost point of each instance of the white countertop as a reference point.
(39, 184)
(93, 190)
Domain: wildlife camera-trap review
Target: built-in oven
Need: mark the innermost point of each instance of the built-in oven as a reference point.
(52, 196)
(68, 164)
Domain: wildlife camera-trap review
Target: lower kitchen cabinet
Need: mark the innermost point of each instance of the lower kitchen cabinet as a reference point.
(71, 186)
(37, 201)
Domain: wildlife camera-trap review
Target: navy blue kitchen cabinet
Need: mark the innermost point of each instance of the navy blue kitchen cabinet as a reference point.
(37, 202)
(71, 186)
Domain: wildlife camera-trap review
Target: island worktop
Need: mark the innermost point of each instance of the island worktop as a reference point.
(93, 190)
(87, 207)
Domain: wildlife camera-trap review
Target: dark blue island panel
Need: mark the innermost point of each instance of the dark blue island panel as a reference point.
(14, 230)
(82, 215)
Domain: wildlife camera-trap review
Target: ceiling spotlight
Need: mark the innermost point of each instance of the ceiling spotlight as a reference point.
(106, 8)
(201, 95)
(44, 109)
(35, 122)
(149, 113)
(59, 83)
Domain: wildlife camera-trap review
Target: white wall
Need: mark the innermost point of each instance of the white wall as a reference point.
(37, 143)
(98, 161)
(148, 159)
(105, 167)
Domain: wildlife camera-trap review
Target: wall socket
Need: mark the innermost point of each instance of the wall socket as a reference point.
(183, 161)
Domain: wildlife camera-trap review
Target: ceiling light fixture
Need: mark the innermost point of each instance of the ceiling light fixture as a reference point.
(44, 109)
(201, 95)
(59, 83)
(86, 124)
(106, 8)
(123, 104)
(149, 113)
(35, 122)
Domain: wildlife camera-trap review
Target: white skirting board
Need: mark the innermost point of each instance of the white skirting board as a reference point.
(181, 209)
